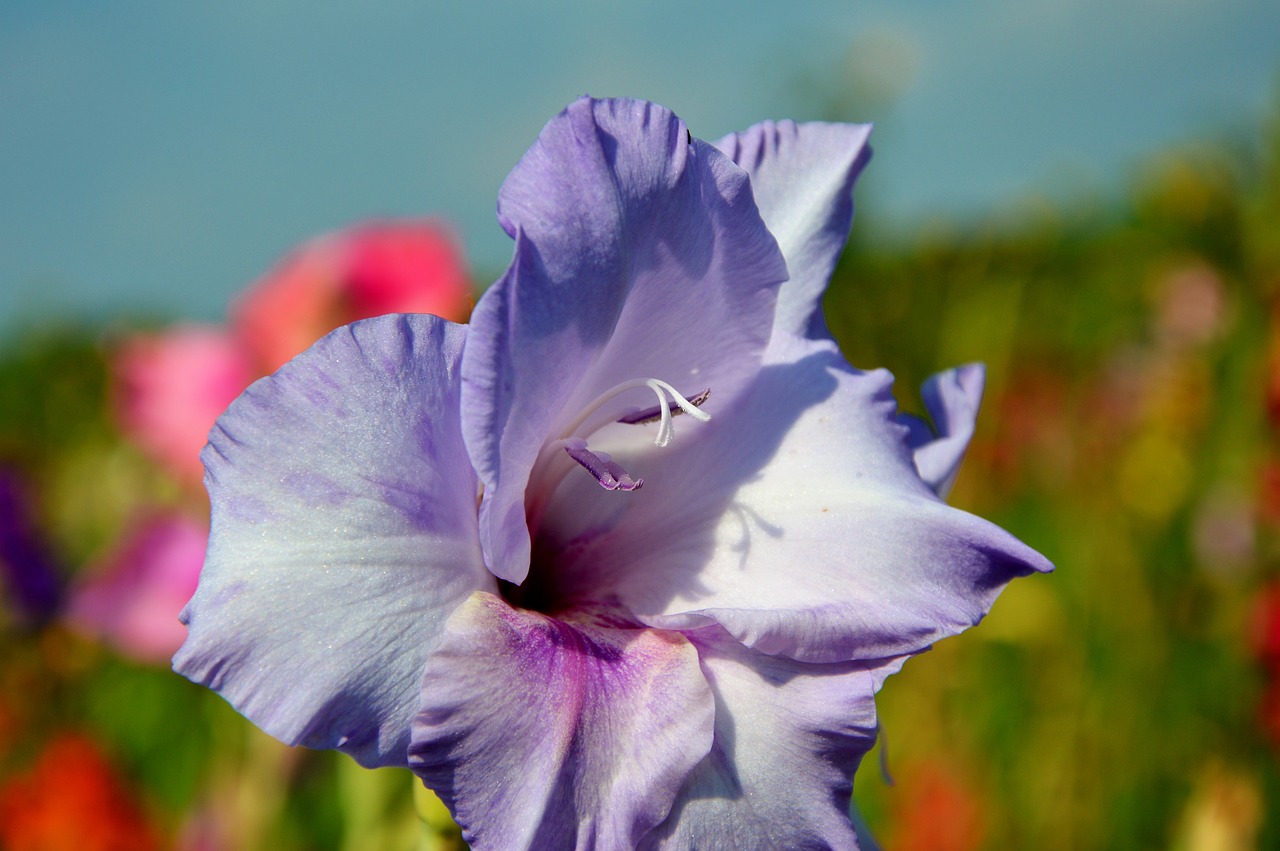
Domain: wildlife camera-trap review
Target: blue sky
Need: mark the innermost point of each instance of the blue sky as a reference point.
(155, 157)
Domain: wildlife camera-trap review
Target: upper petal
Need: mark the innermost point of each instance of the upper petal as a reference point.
(544, 733)
(788, 737)
(796, 519)
(802, 176)
(343, 534)
(952, 399)
(639, 254)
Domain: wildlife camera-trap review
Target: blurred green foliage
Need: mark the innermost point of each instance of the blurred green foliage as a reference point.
(1117, 703)
(1129, 432)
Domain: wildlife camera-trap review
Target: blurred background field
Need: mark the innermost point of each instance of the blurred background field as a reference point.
(1131, 431)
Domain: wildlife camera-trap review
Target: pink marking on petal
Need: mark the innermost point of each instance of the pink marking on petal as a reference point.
(563, 732)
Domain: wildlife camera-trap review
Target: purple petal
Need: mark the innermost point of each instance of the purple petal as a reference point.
(952, 399)
(788, 738)
(795, 519)
(343, 534)
(639, 254)
(802, 176)
(541, 733)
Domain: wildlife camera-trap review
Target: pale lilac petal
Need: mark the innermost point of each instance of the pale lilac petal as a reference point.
(796, 519)
(540, 733)
(343, 535)
(639, 254)
(802, 176)
(952, 399)
(788, 737)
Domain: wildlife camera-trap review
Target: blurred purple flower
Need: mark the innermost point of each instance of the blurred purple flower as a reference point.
(30, 573)
(132, 599)
(416, 556)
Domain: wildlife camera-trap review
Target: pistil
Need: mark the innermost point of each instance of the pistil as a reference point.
(607, 472)
(661, 413)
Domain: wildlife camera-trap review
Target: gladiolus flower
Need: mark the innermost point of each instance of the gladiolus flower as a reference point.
(623, 562)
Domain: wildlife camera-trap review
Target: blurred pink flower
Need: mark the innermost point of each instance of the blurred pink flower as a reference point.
(369, 270)
(1192, 308)
(171, 386)
(132, 599)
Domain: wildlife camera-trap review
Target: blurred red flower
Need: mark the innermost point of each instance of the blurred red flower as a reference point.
(1264, 641)
(369, 270)
(71, 799)
(934, 810)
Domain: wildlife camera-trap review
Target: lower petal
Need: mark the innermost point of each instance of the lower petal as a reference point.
(544, 733)
(788, 739)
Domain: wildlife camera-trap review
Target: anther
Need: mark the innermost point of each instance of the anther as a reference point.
(606, 471)
(644, 416)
